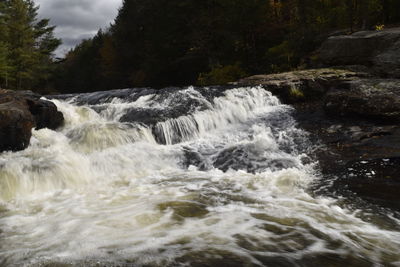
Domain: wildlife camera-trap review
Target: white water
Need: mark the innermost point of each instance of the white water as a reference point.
(100, 191)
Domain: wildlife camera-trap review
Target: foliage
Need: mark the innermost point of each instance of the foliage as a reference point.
(221, 75)
(296, 94)
(26, 45)
(172, 42)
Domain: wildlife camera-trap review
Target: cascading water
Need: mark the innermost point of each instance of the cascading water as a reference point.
(190, 177)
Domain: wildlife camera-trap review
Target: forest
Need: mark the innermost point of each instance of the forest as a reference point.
(159, 43)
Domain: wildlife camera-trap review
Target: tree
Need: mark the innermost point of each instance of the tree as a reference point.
(4, 66)
(27, 45)
(21, 42)
(173, 42)
(4, 63)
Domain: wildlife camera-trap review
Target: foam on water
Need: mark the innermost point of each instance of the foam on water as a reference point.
(230, 186)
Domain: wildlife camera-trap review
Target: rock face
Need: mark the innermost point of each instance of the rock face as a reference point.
(379, 50)
(19, 113)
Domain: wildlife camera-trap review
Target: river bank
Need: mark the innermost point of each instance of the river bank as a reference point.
(352, 108)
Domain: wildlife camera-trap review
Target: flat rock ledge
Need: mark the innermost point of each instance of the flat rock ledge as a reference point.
(304, 85)
(20, 112)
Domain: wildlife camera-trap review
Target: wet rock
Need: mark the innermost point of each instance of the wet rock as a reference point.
(145, 116)
(194, 158)
(377, 180)
(16, 123)
(19, 113)
(345, 143)
(373, 99)
(379, 50)
(45, 113)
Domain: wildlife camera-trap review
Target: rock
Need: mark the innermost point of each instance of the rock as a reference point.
(344, 144)
(352, 111)
(304, 85)
(45, 113)
(379, 50)
(19, 113)
(377, 180)
(148, 117)
(16, 123)
(373, 99)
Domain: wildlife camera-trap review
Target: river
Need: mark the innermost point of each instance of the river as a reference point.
(228, 182)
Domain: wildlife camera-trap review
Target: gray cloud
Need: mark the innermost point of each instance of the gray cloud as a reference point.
(77, 19)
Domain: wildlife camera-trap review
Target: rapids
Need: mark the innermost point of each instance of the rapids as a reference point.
(180, 177)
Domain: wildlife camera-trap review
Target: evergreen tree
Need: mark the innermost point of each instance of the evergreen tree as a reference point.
(4, 63)
(21, 43)
(26, 46)
(4, 66)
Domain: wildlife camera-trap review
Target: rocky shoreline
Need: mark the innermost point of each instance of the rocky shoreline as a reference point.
(353, 111)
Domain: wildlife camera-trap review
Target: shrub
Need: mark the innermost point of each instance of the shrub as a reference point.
(220, 75)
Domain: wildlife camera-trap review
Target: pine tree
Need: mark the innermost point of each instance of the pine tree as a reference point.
(28, 46)
(4, 64)
(21, 43)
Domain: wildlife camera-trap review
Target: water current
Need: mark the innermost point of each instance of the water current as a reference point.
(201, 178)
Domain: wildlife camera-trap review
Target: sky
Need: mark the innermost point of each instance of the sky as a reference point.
(77, 19)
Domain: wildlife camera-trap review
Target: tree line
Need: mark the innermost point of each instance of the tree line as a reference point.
(172, 42)
(26, 46)
(161, 43)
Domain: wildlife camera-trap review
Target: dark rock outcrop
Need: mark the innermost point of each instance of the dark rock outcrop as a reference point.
(372, 99)
(19, 113)
(376, 179)
(349, 148)
(379, 50)
(16, 123)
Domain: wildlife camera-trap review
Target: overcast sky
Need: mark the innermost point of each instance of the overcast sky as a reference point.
(77, 19)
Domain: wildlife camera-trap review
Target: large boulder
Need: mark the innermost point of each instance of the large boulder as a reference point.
(379, 50)
(19, 113)
(16, 123)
